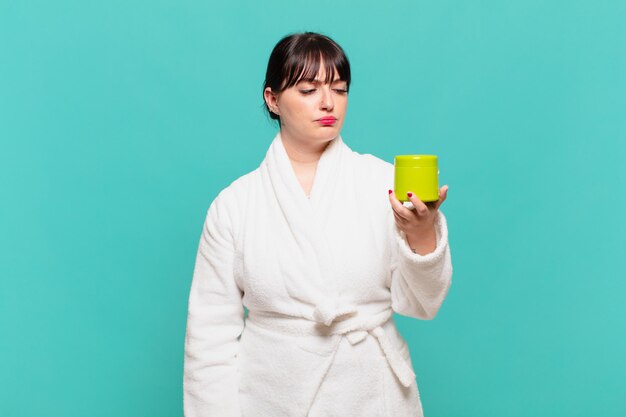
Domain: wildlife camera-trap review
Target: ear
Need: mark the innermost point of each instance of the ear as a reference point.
(271, 99)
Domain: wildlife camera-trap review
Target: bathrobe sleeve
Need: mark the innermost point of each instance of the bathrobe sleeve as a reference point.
(214, 323)
(419, 283)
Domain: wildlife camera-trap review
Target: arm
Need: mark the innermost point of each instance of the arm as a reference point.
(214, 323)
(421, 274)
(420, 283)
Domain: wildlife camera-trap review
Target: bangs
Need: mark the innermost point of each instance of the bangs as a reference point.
(306, 65)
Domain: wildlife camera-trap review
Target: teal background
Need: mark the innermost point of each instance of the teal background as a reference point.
(120, 122)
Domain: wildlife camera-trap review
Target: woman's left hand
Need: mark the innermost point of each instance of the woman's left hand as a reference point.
(418, 223)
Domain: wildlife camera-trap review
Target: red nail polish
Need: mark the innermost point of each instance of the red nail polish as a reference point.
(390, 191)
(409, 194)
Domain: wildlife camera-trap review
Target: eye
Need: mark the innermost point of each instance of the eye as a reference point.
(341, 90)
(309, 91)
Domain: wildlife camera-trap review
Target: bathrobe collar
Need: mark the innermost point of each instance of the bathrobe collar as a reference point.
(327, 175)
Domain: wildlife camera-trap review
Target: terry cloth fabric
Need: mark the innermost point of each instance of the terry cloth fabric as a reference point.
(321, 277)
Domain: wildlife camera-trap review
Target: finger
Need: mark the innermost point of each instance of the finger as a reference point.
(419, 205)
(399, 219)
(398, 208)
(442, 196)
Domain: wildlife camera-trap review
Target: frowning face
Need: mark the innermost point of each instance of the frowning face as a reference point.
(311, 111)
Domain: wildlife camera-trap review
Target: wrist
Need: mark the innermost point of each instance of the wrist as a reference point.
(422, 241)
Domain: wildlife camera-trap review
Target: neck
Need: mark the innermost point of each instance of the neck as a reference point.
(304, 158)
(301, 153)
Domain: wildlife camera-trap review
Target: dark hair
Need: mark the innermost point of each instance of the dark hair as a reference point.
(298, 56)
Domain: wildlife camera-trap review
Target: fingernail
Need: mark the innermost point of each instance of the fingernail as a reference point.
(409, 194)
(390, 191)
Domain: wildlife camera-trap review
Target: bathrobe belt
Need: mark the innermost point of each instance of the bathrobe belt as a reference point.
(346, 322)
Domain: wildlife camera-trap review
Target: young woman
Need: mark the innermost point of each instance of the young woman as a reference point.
(319, 249)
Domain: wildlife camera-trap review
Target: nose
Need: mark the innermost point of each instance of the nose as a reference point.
(326, 101)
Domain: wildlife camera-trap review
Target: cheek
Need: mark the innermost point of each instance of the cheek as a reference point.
(305, 108)
(342, 105)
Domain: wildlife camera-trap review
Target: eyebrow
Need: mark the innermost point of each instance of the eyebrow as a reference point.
(316, 81)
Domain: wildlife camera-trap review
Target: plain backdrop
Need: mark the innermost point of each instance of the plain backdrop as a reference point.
(120, 121)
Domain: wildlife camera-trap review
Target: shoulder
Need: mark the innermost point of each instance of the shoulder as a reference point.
(373, 178)
(374, 169)
(238, 188)
(374, 162)
(229, 201)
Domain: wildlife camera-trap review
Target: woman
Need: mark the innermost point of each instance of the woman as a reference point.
(321, 254)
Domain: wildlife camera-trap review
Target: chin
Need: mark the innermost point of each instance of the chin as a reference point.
(329, 134)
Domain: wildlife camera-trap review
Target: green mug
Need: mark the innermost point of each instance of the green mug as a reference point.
(417, 174)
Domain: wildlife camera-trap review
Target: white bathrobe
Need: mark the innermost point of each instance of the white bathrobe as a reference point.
(321, 277)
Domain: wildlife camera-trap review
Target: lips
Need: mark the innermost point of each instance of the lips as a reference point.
(327, 120)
